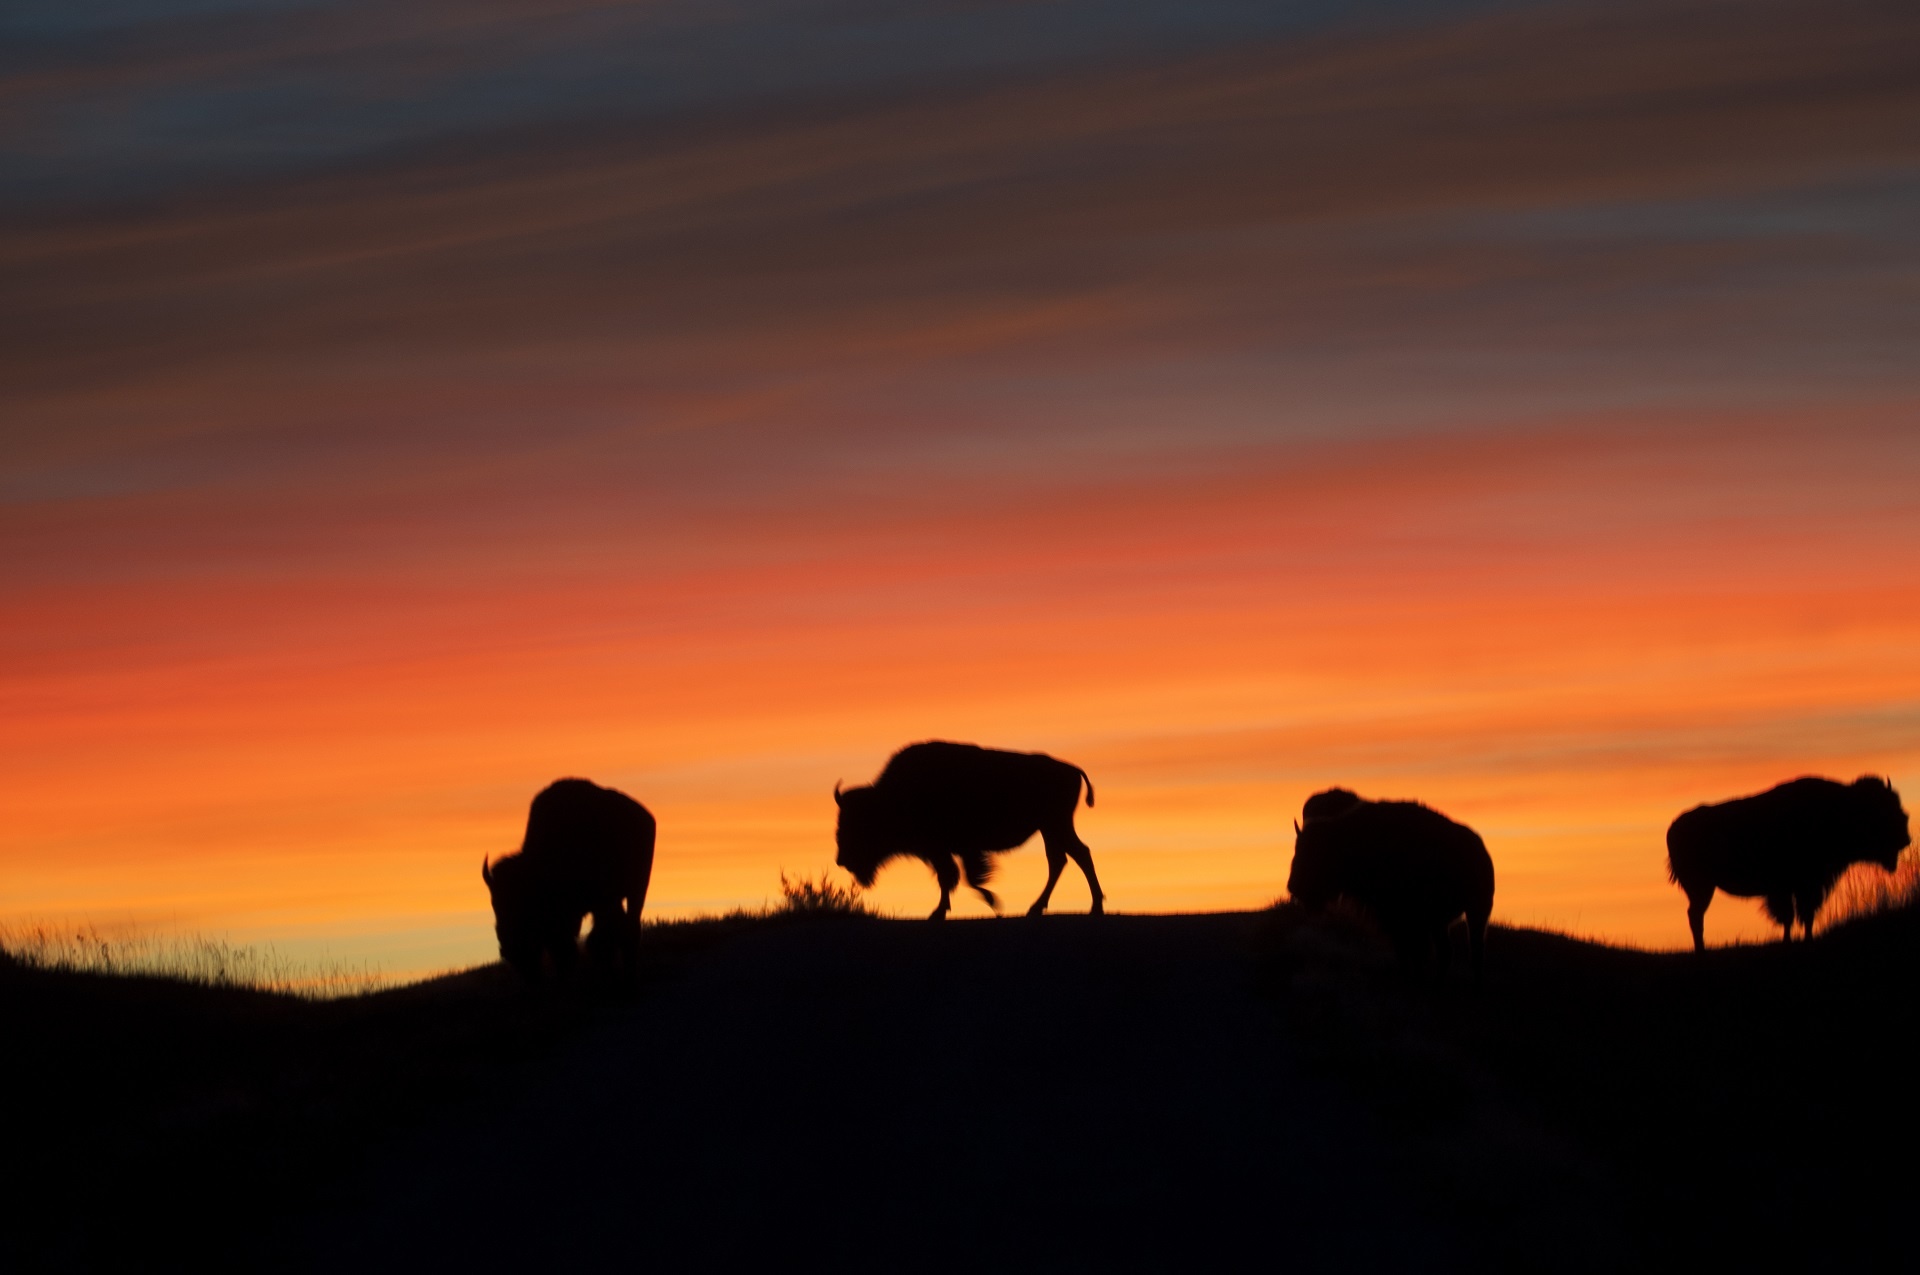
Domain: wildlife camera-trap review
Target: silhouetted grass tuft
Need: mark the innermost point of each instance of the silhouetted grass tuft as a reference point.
(733, 917)
(190, 958)
(1867, 891)
(803, 896)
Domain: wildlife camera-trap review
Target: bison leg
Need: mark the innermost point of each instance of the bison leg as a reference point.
(1079, 853)
(614, 942)
(1697, 918)
(1076, 850)
(977, 867)
(1780, 908)
(1056, 864)
(949, 878)
(603, 949)
(630, 934)
(1806, 902)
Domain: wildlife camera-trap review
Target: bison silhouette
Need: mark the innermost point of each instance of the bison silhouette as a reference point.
(1410, 867)
(588, 850)
(1787, 845)
(1327, 804)
(956, 805)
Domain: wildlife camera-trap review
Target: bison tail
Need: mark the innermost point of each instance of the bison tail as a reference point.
(977, 866)
(1088, 780)
(1678, 849)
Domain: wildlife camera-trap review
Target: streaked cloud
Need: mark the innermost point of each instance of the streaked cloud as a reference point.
(1510, 405)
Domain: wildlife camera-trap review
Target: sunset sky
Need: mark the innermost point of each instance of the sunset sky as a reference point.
(1513, 406)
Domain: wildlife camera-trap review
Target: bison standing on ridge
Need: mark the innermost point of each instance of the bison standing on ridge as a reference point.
(588, 850)
(943, 803)
(1413, 869)
(1787, 845)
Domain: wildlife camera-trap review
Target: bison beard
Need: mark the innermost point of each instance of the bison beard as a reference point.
(954, 806)
(1787, 846)
(588, 851)
(1413, 869)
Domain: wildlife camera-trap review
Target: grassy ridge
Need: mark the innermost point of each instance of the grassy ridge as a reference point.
(185, 958)
(164, 1123)
(1749, 1104)
(1590, 1108)
(169, 1101)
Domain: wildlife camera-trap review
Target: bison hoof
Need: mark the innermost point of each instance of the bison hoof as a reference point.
(939, 914)
(1038, 909)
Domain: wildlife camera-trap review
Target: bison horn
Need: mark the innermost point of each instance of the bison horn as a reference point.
(836, 792)
(1296, 827)
(486, 873)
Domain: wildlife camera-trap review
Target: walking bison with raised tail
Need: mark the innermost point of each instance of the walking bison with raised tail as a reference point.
(1411, 868)
(588, 852)
(1787, 846)
(954, 806)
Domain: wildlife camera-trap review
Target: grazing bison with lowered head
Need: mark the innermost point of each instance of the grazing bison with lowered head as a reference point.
(588, 851)
(1787, 845)
(954, 806)
(1413, 869)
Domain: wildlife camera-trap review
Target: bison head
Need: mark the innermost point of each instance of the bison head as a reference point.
(864, 834)
(522, 919)
(1883, 820)
(1314, 879)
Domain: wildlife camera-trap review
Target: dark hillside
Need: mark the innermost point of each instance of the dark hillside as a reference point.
(156, 1124)
(1751, 1103)
(1064, 1093)
(1758, 1099)
(1061, 1094)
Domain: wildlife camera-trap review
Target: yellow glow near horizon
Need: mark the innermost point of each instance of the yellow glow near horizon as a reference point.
(1568, 719)
(1511, 411)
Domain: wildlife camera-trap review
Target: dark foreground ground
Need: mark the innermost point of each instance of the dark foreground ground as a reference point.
(1227, 1092)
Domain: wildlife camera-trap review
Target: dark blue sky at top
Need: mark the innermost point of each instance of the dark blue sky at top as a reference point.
(112, 101)
(1022, 238)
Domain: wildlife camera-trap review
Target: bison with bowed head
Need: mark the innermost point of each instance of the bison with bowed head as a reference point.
(1411, 868)
(1787, 846)
(588, 852)
(954, 806)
